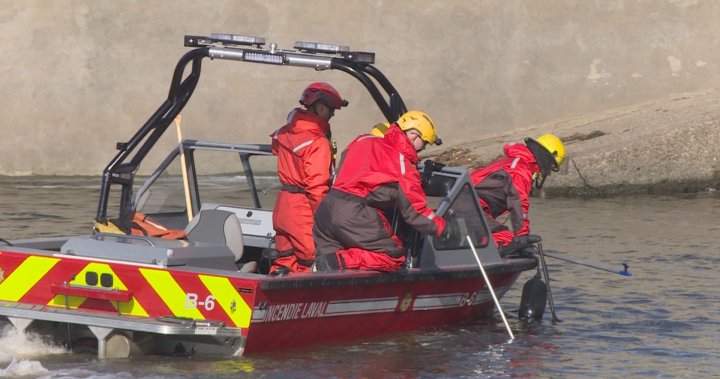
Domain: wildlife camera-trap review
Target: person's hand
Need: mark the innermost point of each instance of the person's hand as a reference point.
(441, 225)
(520, 244)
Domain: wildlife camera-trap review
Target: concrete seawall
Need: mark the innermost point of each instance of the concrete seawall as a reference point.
(657, 147)
(79, 76)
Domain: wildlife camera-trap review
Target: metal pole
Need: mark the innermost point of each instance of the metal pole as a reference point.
(492, 292)
(599, 266)
(183, 165)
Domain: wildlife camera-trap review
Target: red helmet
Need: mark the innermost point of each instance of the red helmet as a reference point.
(324, 92)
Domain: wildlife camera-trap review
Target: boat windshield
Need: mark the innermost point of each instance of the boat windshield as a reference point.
(463, 218)
(220, 179)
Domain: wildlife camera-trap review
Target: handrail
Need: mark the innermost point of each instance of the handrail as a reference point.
(119, 172)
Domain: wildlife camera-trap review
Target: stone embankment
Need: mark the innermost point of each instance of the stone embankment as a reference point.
(659, 147)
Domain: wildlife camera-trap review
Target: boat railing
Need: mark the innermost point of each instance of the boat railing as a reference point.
(123, 238)
(318, 56)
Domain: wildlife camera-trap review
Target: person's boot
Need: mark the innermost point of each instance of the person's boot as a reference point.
(326, 262)
(280, 271)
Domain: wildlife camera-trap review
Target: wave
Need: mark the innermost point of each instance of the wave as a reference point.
(19, 348)
(23, 368)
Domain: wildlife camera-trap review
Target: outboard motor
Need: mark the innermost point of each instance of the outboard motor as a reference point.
(534, 297)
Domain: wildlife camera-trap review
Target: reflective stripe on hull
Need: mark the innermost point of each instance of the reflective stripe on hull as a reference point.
(268, 313)
(56, 281)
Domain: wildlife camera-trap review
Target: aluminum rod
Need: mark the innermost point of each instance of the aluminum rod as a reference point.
(492, 292)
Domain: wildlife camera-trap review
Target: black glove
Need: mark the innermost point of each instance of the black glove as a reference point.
(527, 239)
(519, 243)
(451, 234)
(449, 231)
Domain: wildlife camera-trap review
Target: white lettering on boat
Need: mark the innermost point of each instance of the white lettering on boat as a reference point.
(295, 311)
(316, 309)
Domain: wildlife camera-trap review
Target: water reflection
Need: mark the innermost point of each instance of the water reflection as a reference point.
(661, 322)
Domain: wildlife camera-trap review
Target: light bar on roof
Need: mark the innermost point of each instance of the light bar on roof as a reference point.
(197, 41)
(223, 39)
(315, 47)
(262, 57)
(360, 57)
(237, 39)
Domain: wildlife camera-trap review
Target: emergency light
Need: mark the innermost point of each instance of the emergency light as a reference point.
(315, 47)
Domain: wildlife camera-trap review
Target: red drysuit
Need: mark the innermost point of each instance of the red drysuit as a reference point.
(305, 164)
(377, 175)
(504, 186)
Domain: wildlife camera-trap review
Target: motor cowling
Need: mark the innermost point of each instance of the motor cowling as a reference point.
(534, 297)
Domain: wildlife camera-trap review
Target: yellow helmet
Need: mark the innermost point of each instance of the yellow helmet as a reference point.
(549, 152)
(380, 129)
(422, 123)
(555, 146)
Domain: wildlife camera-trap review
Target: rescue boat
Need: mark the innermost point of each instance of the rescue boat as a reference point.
(209, 293)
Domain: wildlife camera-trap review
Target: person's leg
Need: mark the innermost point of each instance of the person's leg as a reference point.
(356, 258)
(323, 230)
(285, 261)
(293, 222)
(502, 237)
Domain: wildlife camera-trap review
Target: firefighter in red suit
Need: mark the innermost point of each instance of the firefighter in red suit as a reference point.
(504, 186)
(305, 162)
(377, 176)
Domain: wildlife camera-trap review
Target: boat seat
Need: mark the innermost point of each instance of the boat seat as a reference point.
(217, 226)
(249, 267)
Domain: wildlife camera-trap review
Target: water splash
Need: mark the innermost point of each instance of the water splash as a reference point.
(23, 368)
(16, 346)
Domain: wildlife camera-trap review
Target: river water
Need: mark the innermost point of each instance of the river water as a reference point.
(663, 321)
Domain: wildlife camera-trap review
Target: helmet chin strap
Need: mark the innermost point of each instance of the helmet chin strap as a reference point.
(313, 108)
(539, 180)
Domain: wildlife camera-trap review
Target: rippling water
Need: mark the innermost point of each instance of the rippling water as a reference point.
(664, 321)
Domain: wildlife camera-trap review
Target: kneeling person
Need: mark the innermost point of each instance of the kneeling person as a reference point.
(376, 175)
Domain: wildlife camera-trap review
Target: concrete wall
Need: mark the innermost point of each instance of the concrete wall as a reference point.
(77, 76)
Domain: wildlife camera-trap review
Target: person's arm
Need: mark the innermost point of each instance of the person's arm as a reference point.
(519, 201)
(316, 164)
(391, 195)
(412, 193)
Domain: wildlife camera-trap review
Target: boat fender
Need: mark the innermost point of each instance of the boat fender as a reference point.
(534, 297)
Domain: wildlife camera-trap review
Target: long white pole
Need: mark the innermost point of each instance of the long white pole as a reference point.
(492, 292)
(183, 166)
(599, 266)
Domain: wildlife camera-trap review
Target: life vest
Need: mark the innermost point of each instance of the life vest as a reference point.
(143, 225)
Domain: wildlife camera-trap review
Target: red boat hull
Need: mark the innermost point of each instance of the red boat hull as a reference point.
(264, 313)
(377, 304)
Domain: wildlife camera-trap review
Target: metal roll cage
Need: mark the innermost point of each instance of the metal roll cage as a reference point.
(123, 167)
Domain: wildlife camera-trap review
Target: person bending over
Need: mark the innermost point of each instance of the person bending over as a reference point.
(504, 185)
